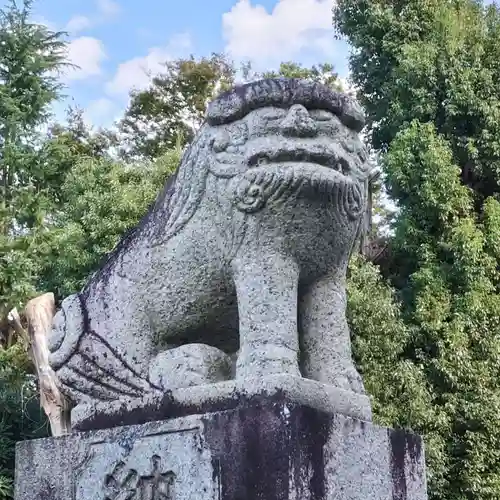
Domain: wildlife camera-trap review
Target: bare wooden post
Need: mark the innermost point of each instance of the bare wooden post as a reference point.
(39, 313)
(15, 323)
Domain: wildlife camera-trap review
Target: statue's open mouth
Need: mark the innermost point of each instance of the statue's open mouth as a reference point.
(322, 158)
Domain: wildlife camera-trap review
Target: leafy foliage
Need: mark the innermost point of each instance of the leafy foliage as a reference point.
(30, 54)
(173, 106)
(103, 199)
(435, 62)
(428, 76)
(20, 413)
(379, 335)
(323, 73)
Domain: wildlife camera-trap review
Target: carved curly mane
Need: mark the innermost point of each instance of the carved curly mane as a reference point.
(181, 197)
(185, 189)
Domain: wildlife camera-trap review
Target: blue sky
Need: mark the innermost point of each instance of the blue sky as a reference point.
(115, 41)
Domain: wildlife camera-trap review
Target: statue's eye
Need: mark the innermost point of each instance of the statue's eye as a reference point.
(320, 115)
(235, 135)
(238, 134)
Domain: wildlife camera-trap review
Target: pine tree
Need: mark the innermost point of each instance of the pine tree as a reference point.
(30, 55)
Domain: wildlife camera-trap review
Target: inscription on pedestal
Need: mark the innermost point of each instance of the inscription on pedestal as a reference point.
(158, 461)
(267, 451)
(123, 484)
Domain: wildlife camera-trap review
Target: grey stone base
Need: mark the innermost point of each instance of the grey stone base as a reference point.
(218, 397)
(270, 449)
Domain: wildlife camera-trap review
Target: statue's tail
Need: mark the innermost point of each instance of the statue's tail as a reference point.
(67, 330)
(89, 368)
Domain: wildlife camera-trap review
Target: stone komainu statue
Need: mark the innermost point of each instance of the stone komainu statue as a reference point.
(243, 256)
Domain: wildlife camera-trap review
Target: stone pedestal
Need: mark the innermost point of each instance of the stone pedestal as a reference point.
(268, 447)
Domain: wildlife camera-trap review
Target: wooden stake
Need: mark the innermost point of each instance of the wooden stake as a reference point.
(39, 313)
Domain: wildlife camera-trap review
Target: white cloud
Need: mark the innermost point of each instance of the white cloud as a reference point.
(87, 53)
(136, 73)
(108, 8)
(106, 11)
(100, 112)
(78, 23)
(251, 32)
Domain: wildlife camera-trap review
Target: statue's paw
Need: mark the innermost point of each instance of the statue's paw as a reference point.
(271, 360)
(347, 379)
(189, 365)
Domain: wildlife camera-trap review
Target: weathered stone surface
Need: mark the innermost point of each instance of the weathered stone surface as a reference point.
(245, 250)
(229, 395)
(268, 449)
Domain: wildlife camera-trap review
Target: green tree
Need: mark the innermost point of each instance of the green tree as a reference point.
(173, 106)
(435, 62)
(65, 145)
(20, 414)
(323, 73)
(30, 54)
(428, 76)
(101, 199)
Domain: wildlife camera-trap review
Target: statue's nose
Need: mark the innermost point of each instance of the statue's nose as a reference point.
(298, 123)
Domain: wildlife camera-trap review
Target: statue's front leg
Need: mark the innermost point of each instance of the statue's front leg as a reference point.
(325, 336)
(267, 291)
